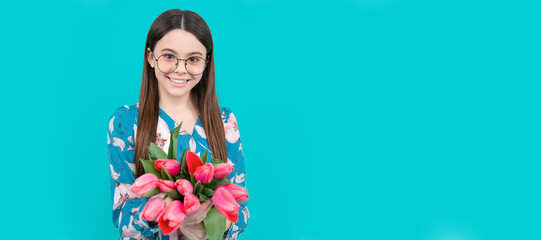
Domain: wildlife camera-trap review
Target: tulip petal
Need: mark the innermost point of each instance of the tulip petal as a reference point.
(172, 167)
(204, 173)
(144, 183)
(158, 164)
(221, 170)
(153, 208)
(184, 186)
(239, 193)
(171, 217)
(224, 201)
(166, 185)
(191, 204)
(193, 162)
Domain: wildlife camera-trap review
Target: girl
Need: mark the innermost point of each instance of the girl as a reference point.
(178, 85)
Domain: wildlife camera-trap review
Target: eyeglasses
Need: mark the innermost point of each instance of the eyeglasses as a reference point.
(168, 63)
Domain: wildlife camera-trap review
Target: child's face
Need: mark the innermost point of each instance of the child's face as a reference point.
(182, 45)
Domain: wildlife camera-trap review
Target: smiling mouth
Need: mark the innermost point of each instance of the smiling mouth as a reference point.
(178, 81)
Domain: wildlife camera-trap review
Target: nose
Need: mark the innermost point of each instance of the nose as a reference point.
(181, 66)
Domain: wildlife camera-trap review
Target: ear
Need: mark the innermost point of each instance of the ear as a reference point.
(150, 58)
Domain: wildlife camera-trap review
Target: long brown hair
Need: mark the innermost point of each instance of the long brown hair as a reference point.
(203, 94)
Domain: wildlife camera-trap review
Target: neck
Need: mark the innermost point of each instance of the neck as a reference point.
(177, 104)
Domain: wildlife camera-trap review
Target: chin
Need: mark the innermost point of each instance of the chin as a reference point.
(178, 93)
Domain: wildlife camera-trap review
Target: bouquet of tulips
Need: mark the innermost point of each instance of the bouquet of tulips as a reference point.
(188, 183)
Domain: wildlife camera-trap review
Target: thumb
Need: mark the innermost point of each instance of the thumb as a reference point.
(206, 206)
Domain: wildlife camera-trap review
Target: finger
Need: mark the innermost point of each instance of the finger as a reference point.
(194, 232)
(201, 213)
(168, 200)
(206, 204)
(190, 236)
(195, 219)
(191, 219)
(196, 215)
(185, 231)
(197, 233)
(210, 205)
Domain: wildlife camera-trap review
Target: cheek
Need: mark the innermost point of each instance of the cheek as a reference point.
(157, 72)
(159, 75)
(197, 79)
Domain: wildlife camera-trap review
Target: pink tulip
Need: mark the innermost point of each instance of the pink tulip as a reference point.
(193, 162)
(166, 185)
(221, 170)
(171, 217)
(144, 183)
(172, 166)
(224, 201)
(191, 204)
(158, 164)
(204, 173)
(184, 186)
(239, 193)
(153, 208)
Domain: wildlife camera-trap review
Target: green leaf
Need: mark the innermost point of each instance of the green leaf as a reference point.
(155, 191)
(203, 198)
(204, 157)
(216, 183)
(208, 192)
(173, 194)
(156, 152)
(214, 224)
(174, 140)
(166, 175)
(215, 161)
(171, 150)
(184, 174)
(148, 165)
(197, 188)
(151, 157)
(183, 164)
(192, 179)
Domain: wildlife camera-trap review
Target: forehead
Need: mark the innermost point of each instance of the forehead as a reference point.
(181, 41)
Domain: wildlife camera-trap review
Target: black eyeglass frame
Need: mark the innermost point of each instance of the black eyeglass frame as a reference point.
(176, 64)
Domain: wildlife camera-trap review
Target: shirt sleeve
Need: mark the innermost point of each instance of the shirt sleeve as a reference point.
(127, 207)
(235, 157)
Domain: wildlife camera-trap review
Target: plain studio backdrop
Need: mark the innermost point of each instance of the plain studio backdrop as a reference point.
(359, 119)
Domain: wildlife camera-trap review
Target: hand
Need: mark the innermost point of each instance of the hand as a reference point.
(193, 227)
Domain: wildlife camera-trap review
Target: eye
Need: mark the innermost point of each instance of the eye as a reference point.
(194, 59)
(169, 56)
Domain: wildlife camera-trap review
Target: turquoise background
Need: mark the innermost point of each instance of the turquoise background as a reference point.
(360, 119)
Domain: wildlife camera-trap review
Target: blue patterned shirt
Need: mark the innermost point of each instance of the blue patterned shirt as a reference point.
(126, 206)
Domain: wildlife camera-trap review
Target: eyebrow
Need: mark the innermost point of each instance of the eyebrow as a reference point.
(173, 51)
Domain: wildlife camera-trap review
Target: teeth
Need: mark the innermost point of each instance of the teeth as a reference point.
(178, 81)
